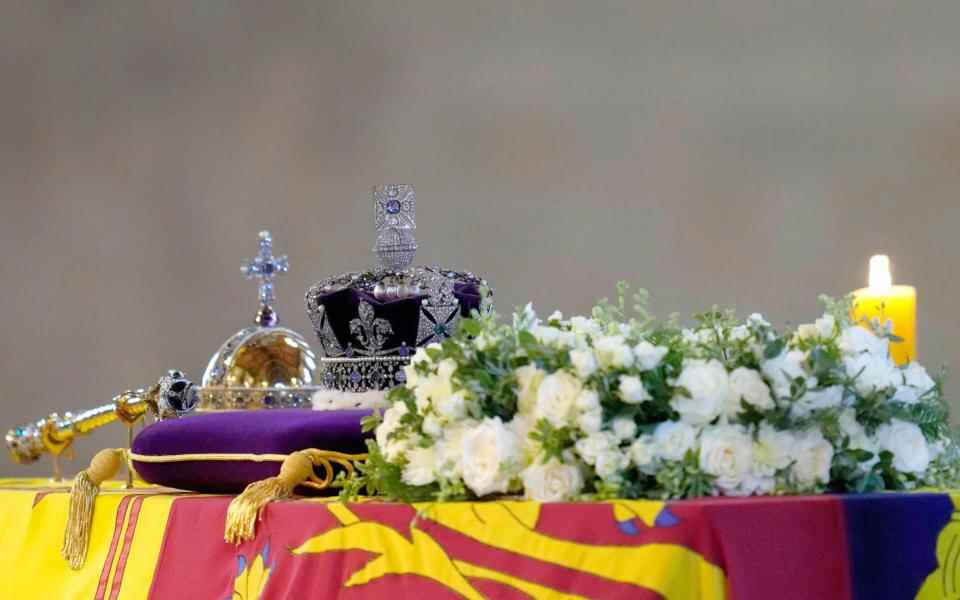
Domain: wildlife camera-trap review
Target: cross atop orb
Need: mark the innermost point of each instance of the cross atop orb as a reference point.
(264, 267)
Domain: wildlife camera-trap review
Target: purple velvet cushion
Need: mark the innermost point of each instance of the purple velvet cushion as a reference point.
(241, 432)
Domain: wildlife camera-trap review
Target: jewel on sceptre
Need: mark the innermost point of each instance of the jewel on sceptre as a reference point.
(888, 304)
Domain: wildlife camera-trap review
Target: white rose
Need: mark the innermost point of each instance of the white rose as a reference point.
(632, 390)
(453, 407)
(449, 450)
(585, 326)
(872, 372)
(772, 451)
(557, 398)
(812, 400)
(783, 370)
(708, 387)
(747, 385)
(916, 383)
(611, 463)
(528, 383)
(419, 467)
(624, 427)
(552, 482)
(583, 362)
(491, 457)
(590, 421)
(649, 356)
(672, 440)
(726, 451)
(911, 454)
(612, 351)
(813, 455)
(392, 448)
(595, 444)
(432, 426)
(643, 453)
(858, 340)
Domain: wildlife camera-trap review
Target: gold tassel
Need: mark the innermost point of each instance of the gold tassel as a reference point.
(83, 496)
(246, 509)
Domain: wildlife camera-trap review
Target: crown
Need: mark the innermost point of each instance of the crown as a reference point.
(370, 323)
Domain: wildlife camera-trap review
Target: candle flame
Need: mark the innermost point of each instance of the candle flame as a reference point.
(880, 277)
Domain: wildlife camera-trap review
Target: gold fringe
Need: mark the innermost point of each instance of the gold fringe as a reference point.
(245, 510)
(297, 469)
(83, 496)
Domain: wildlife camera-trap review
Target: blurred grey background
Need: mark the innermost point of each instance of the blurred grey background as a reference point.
(746, 153)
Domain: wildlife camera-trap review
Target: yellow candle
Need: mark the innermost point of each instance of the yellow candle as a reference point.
(894, 304)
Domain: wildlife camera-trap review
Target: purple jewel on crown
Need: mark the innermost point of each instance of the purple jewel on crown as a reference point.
(369, 323)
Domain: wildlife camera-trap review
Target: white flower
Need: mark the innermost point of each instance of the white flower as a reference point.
(643, 452)
(552, 482)
(624, 427)
(392, 448)
(595, 444)
(583, 361)
(590, 421)
(708, 387)
(435, 388)
(747, 385)
(632, 390)
(740, 333)
(783, 370)
(757, 320)
(857, 436)
(554, 336)
(726, 451)
(813, 455)
(432, 426)
(872, 372)
(584, 326)
(672, 440)
(557, 398)
(491, 457)
(772, 451)
(916, 383)
(857, 340)
(911, 454)
(484, 341)
(528, 380)
(610, 463)
(590, 418)
(649, 356)
(812, 400)
(449, 449)
(824, 328)
(419, 467)
(452, 407)
(612, 351)
(555, 317)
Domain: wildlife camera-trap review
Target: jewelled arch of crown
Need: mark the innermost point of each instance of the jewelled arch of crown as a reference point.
(366, 362)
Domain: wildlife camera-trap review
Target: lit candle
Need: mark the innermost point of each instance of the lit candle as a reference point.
(894, 304)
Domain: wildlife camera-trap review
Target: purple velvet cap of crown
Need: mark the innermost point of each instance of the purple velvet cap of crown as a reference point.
(343, 306)
(241, 432)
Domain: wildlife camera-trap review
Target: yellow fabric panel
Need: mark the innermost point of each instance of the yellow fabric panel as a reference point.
(40, 571)
(15, 509)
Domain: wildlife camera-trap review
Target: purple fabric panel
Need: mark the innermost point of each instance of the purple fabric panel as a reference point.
(279, 431)
(343, 305)
(469, 296)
